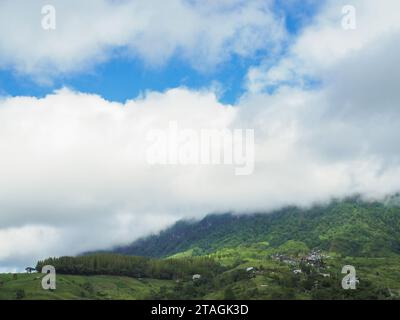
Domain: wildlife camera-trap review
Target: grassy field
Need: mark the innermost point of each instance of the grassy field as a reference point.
(275, 278)
(79, 287)
(272, 279)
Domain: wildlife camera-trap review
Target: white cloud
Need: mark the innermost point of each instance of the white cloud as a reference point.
(25, 245)
(76, 164)
(88, 32)
(324, 47)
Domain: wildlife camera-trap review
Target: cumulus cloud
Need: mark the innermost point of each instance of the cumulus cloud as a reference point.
(358, 75)
(203, 33)
(76, 164)
(325, 48)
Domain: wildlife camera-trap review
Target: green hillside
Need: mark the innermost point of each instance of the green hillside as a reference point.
(72, 287)
(289, 254)
(269, 278)
(351, 227)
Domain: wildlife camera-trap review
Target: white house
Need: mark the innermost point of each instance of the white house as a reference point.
(325, 275)
(196, 277)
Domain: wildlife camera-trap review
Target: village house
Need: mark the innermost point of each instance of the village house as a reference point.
(325, 275)
(196, 277)
(314, 259)
(285, 259)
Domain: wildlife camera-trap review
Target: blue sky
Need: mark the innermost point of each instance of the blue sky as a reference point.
(122, 78)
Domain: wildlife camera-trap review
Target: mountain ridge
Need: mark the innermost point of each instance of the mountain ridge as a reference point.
(350, 227)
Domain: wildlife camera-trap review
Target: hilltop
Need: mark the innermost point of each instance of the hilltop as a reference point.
(351, 227)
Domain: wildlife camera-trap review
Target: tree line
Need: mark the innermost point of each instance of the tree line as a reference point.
(133, 266)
